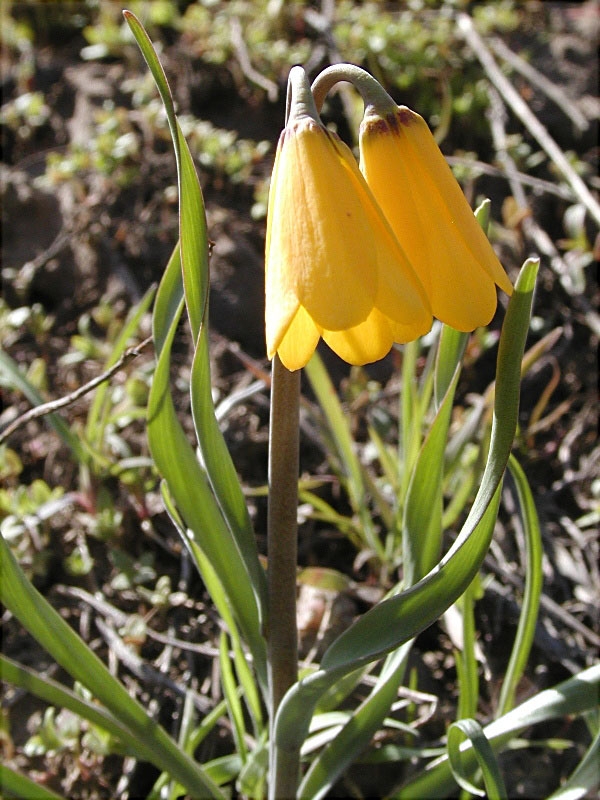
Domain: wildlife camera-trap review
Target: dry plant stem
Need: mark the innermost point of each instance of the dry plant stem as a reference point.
(510, 95)
(282, 635)
(549, 88)
(497, 120)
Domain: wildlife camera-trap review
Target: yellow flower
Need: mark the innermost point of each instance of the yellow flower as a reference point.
(430, 217)
(333, 267)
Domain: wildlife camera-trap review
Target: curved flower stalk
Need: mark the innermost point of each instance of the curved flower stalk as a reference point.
(334, 269)
(424, 205)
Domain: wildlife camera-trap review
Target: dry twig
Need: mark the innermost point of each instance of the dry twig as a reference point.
(531, 122)
(62, 402)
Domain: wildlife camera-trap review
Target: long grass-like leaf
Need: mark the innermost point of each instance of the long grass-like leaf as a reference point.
(358, 731)
(576, 695)
(96, 417)
(376, 632)
(194, 499)
(193, 255)
(534, 580)
(221, 471)
(411, 422)
(422, 526)
(585, 779)
(232, 698)
(494, 785)
(466, 661)
(192, 219)
(52, 632)
(343, 446)
(15, 786)
(449, 355)
(62, 697)
(19, 381)
(422, 532)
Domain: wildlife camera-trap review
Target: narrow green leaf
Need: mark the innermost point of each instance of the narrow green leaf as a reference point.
(224, 769)
(586, 777)
(232, 698)
(168, 303)
(377, 631)
(357, 732)
(411, 421)
(52, 632)
(466, 661)
(422, 526)
(247, 681)
(19, 381)
(188, 485)
(96, 418)
(534, 580)
(221, 471)
(343, 446)
(192, 217)
(193, 255)
(15, 786)
(576, 695)
(494, 785)
(58, 695)
(450, 351)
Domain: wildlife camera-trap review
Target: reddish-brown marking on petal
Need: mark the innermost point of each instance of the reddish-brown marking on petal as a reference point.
(380, 126)
(404, 115)
(392, 124)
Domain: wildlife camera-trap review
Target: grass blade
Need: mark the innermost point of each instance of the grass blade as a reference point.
(57, 695)
(356, 734)
(343, 446)
(68, 650)
(221, 471)
(449, 355)
(193, 258)
(15, 785)
(192, 217)
(576, 695)
(494, 785)
(18, 380)
(377, 632)
(188, 485)
(534, 580)
(96, 419)
(422, 526)
(585, 779)
(232, 698)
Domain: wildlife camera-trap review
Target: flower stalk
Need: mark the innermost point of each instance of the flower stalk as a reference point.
(282, 637)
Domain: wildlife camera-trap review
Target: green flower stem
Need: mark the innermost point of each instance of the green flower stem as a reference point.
(282, 636)
(371, 91)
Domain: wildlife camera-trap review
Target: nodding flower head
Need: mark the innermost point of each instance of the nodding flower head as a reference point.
(430, 217)
(334, 269)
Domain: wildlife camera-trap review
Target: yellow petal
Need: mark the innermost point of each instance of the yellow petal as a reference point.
(320, 248)
(371, 340)
(299, 342)
(281, 301)
(400, 293)
(431, 218)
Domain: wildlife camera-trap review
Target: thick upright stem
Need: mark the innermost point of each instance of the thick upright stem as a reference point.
(282, 636)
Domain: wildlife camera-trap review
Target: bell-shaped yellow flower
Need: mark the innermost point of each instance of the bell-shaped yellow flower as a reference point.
(430, 217)
(333, 267)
